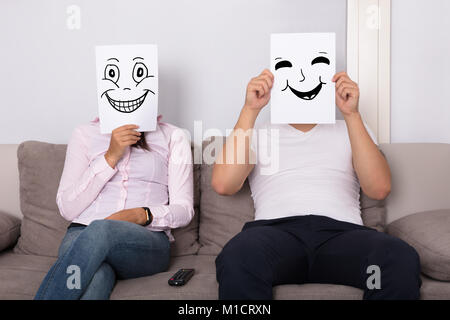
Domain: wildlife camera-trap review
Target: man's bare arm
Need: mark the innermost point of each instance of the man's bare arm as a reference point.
(233, 164)
(370, 165)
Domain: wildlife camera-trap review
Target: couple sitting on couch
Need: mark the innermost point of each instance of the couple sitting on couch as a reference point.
(307, 226)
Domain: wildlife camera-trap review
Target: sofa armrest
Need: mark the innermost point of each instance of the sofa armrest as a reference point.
(9, 230)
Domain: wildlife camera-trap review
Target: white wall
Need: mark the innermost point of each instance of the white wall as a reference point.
(208, 50)
(420, 109)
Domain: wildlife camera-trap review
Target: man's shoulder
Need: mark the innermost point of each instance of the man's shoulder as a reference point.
(339, 124)
(337, 128)
(341, 127)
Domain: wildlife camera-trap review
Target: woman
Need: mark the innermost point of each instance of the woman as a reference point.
(123, 192)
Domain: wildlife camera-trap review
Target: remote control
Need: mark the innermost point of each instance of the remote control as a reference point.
(181, 277)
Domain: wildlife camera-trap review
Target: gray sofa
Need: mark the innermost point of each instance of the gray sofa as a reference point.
(418, 210)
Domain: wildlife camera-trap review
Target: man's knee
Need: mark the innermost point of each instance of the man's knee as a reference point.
(400, 256)
(242, 269)
(240, 256)
(400, 268)
(407, 262)
(230, 255)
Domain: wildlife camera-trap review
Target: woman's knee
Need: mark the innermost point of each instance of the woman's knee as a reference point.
(98, 236)
(100, 229)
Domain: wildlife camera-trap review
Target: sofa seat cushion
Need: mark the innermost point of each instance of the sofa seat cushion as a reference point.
(429, 233)
(22, 274)
(202, 286)
(434, 289)
(316, 291)
(431, 290)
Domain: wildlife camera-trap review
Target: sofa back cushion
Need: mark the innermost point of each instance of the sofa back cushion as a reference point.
(222, 217)
(40, 168)
(420, 178)
(373, 212)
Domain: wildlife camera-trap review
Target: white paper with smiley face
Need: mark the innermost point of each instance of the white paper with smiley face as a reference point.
(303, 65)
(127, 85)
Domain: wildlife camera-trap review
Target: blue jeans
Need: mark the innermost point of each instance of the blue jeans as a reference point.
(102, 251)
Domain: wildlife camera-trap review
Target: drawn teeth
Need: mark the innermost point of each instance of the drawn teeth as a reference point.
(127, 106)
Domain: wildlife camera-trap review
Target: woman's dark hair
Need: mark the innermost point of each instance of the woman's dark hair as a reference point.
(142, 143)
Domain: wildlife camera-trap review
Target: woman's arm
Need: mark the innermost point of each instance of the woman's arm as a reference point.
(180, 210)
(134, 215)
(81, 181)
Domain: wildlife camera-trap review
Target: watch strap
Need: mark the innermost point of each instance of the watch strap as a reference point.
(149, 216)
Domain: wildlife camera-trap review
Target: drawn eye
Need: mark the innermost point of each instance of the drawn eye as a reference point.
(112, 73)
(283, 64)
(140, 72)
(320, 60)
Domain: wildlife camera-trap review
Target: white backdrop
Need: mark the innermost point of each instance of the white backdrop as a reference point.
(208, 50)
(420, 108)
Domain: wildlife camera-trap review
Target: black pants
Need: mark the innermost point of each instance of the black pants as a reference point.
(315, 249)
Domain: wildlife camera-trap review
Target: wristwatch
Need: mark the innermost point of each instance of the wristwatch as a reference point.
(149, 216)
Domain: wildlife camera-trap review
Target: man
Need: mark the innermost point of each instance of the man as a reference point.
(308, 226)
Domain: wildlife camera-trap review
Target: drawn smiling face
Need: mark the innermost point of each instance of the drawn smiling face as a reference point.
(127, 95)
(303, 65)
(127, 86)
(297, 74)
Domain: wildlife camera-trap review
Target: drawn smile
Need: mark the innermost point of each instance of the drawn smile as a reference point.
(310, 95)
(127, 106)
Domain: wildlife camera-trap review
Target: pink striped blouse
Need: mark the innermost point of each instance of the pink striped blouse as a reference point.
(161, 179)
